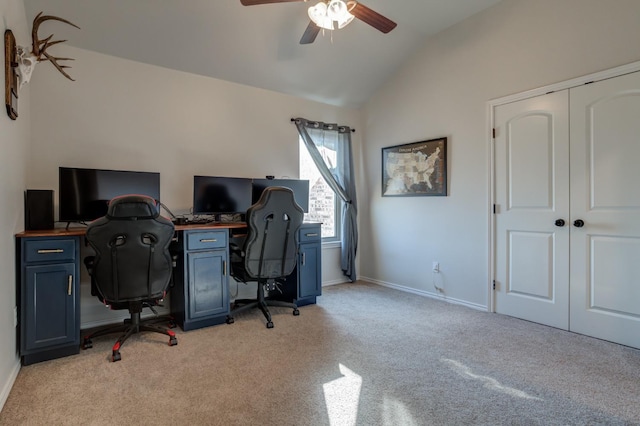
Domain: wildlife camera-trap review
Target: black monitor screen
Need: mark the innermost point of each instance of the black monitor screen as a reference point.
(83, 194)
(221, 195)
(300, 189)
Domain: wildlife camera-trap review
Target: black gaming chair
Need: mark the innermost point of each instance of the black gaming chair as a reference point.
(132, 266)
(270, 249)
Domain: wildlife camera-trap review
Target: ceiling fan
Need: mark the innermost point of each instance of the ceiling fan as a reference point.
(332, 14)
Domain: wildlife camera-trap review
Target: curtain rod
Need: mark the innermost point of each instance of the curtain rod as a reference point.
(352, 130)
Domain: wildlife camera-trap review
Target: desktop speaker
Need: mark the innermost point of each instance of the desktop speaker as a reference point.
(38, 209)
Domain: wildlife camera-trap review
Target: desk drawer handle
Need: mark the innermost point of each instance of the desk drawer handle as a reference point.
(224, 268)
(314, 234)
(69, 285)
(47, 251)
(304, 258)
(208, 240)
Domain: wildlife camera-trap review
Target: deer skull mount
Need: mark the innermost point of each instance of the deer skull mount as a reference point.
(39, 48)
(20, 61)
(26, 62)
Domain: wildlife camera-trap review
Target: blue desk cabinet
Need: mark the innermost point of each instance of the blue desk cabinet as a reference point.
(49, 299)
(200, 296)
(305, 283)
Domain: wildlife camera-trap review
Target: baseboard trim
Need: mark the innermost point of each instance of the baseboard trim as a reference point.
(425, 294)
(8, 385)
(334, 282)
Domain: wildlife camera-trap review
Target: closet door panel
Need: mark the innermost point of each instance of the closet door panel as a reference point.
(605, 197)
(532, 192)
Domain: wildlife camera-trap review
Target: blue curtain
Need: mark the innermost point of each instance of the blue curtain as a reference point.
(340, 177)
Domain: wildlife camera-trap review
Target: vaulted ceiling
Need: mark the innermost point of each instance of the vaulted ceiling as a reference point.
(257, 45)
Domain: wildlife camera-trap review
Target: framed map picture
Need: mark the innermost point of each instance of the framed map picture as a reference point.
(415, 169)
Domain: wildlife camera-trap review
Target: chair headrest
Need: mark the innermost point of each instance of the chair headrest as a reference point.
(277, 197)
(133, 207)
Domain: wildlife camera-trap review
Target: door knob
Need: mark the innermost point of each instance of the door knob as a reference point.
(578, 223)
(560, 222)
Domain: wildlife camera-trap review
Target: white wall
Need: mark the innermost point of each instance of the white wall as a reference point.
(125, 115)
(14, 139)
(443, 91)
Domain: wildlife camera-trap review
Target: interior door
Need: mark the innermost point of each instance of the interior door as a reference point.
(605, 196)
(532, 199)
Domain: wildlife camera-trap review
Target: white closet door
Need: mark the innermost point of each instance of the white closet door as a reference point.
(605, 195)
(532, 193)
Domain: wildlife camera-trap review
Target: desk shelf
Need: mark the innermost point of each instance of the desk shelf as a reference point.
(200, 296)
(304, 284)
(49, 298)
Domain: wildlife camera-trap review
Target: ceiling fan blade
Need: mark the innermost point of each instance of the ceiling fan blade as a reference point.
(310, 33)
(372, 18)
(255, 2)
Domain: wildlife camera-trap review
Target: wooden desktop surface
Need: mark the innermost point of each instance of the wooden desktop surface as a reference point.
(76, 231)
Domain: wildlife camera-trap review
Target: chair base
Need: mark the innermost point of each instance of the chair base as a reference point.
(129, 327)
(262, 303)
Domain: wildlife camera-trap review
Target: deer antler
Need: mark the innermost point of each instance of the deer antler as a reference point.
(40, 46)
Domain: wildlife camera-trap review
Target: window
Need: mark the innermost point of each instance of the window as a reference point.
(323, 202)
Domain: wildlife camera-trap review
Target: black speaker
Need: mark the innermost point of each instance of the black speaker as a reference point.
(38, 209)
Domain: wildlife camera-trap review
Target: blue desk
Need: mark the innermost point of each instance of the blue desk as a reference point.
(48, 287)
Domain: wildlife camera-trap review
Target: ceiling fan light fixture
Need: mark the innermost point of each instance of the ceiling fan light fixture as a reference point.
(336, 10)
(326, 24)
(346, 19)
(330, 14)
(334, 14)
(318, 14)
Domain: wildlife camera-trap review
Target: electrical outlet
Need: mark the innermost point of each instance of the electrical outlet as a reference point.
(436, 266)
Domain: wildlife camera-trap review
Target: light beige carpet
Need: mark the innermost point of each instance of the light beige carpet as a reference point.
(364, 355)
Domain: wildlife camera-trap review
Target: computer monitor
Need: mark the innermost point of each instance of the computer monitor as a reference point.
(221, 195)
(299, 187)
(84, 194)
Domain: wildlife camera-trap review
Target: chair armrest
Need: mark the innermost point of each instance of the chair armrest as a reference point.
(88, 263)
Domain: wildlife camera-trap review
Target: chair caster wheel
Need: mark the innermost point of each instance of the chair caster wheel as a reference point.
(116, 356)
(296, 312)
(173, 341)
(270, 324)
(230, 320)
(87, 344)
